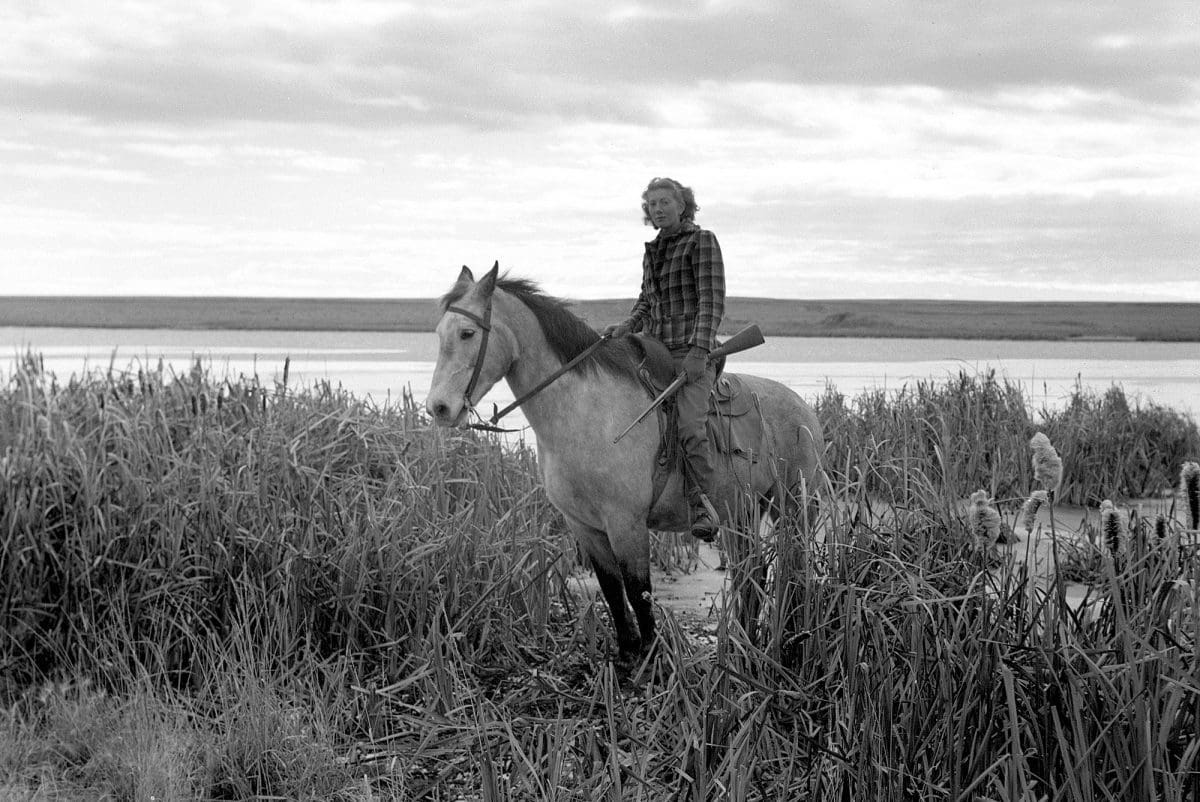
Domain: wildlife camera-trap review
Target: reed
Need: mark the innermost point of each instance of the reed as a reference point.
(983, 521)
(1029, 510)
(1189, 489)
(1047, 465)
(969, 432)
(1113, 530)
(214, 588)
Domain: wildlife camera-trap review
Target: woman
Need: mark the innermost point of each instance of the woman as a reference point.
(681, 303)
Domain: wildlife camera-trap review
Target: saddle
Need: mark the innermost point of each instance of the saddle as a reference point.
(735, 427)
(656, 363)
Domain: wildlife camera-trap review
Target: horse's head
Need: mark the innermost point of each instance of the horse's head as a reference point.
(474, 349)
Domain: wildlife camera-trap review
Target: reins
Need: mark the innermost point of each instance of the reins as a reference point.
(485, 323)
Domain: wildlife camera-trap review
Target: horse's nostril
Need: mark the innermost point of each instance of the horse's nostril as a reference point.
(441, 410)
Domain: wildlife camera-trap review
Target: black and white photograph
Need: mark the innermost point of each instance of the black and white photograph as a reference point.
(690, 400)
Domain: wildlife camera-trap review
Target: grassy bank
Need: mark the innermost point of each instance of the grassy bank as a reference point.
(223, 590)
(1169, 322)
(971, 431)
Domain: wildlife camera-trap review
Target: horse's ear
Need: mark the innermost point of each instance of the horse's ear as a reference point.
(466, 275)
(487, 284)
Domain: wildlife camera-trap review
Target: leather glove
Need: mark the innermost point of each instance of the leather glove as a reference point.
(616, 330)
(694, 364)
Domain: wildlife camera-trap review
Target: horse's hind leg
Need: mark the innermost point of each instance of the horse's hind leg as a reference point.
(595, 545)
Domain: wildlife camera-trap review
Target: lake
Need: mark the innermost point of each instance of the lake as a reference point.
(382, 364)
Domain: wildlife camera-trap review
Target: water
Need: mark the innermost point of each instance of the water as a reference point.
(383, 364)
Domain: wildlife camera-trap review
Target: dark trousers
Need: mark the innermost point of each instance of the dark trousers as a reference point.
(691, 402)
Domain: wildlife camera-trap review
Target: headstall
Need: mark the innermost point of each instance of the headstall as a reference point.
(485, 324)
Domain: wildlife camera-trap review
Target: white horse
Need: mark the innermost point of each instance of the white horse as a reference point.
(506, 328)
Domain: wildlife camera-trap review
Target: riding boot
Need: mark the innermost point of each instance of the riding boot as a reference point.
(691, 404)
(705, 522)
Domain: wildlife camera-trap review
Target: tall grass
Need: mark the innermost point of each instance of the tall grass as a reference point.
(928, 680)
(169, 509)
(970, 432)
(220, 589)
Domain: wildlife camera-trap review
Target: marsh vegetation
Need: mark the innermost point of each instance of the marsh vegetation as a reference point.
(215, 588)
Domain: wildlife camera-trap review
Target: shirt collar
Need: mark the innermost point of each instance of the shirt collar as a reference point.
(685, 228)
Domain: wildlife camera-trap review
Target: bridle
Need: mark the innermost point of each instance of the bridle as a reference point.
(485, 325)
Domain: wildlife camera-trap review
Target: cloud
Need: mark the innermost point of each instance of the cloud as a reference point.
(479, 64)
(188, 153)
(849, 147)
(1073, 248)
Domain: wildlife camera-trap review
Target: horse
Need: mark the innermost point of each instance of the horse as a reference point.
(502, 327)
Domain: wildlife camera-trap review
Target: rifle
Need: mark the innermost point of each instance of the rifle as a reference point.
(745, 339)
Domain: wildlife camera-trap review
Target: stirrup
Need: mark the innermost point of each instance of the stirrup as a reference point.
(705, 522)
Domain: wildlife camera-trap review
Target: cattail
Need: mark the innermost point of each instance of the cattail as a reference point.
(1189, 486)
(1029, 510)
(1160, 528)
(1047, 466)
(983, 522)
(1112, 528)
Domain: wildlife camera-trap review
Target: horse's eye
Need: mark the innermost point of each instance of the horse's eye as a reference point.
(466, 334)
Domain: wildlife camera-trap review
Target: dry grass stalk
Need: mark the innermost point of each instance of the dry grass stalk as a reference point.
(1113, 530)
(1029, 510)
(983, 521)
(1047, 465)
(1161, 530)
(1189, 487)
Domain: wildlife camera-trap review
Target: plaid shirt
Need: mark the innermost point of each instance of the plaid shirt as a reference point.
(683, 289)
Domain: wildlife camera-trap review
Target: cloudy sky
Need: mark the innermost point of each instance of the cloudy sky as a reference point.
(1032, 149)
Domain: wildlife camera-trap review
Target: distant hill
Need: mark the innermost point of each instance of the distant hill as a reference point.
(1167, 322)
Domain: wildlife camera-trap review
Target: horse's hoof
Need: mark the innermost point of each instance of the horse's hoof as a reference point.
(630, 661)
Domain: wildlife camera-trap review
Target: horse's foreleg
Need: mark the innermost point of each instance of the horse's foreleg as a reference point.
(595, 545)
(631, 545)
(637, 588)
(611, 584)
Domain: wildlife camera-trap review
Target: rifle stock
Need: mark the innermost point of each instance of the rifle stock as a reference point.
(747, 338)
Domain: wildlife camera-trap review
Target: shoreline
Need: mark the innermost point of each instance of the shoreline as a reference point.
(900, 318)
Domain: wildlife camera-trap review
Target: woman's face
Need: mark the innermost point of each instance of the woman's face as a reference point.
(664, 208)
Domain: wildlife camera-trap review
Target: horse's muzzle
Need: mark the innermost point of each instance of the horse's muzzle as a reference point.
(441, 413)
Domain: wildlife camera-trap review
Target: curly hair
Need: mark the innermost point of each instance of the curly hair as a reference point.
(685, 196)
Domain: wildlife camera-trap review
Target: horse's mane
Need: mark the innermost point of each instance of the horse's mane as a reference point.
(566, 333)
